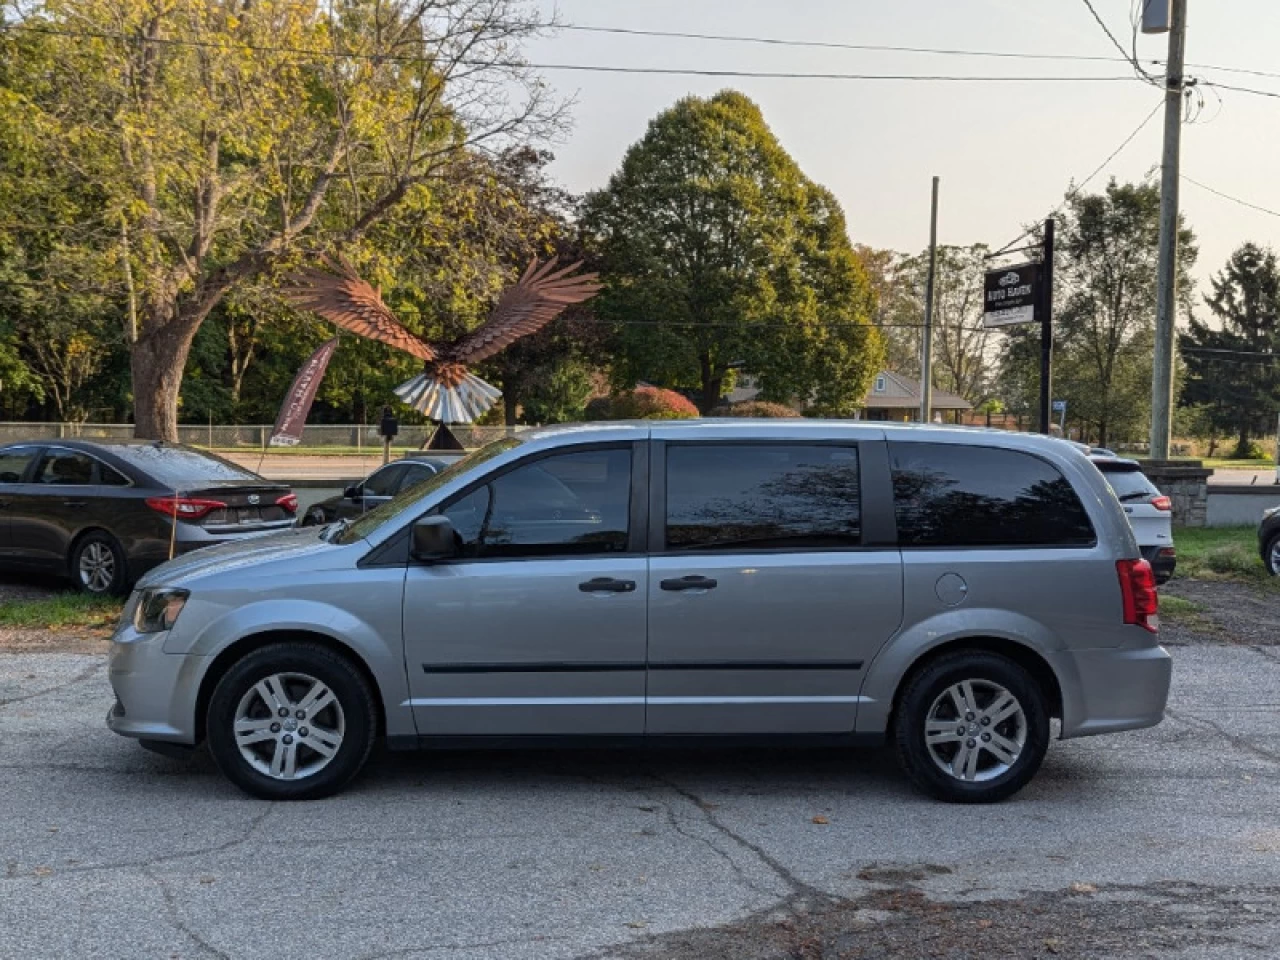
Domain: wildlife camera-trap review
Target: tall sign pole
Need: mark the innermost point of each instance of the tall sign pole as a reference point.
(926, 365)
(1166, 279)
(1046, 330)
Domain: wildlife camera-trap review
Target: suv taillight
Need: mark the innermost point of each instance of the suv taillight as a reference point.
(289, 501)
(1138, 592)
(185, 508)
(1162, 503)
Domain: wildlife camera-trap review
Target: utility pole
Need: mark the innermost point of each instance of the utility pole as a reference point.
(1167, 276)
(926, 365)
(1046, 331)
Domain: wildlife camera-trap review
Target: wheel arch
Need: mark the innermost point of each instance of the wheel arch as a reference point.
(234, 652)
(1020, 653)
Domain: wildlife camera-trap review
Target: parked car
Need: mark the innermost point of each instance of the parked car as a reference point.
(375, 489)
(103, 513)
(940, 589)
(1269, 540)
(1149, 511)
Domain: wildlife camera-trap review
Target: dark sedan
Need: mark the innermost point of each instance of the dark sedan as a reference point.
(103, 513)
(377, 488)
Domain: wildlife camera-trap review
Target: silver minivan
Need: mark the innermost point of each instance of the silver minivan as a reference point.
(948, 591)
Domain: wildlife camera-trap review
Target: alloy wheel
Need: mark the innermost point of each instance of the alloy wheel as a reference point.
(1275, 557)
(975, 730)
(97, 567)
(289, 726)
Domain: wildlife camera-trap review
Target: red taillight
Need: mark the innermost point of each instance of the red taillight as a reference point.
(184, 508)
(289, 501)
(1162, 503)
(1138, 592)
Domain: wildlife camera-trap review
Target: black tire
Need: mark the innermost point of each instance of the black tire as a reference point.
(1269, 554)
(314, 517)
(97, 565)
(352, 694)
(930, 683)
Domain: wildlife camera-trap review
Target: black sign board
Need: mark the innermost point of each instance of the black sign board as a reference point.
(1009, 295)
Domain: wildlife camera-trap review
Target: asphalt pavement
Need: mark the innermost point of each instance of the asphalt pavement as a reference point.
(108, 851)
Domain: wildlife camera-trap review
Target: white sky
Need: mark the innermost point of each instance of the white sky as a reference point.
(1005, 151)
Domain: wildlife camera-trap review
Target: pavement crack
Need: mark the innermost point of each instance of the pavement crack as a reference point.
(80, 677)
(1270, 653)
(471, 945)
(674, 822)
(1240, 743)
(176, 921)
(797, 886)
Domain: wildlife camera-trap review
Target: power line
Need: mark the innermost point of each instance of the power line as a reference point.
(1074, 192)
(1227, 196)
(574, 67)
(1129, 56)
(1250, 90)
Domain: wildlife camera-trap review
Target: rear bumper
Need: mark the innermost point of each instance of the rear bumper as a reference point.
(1109, 690)
(1163, 560)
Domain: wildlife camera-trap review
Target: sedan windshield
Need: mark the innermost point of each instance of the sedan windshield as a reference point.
(365, 525)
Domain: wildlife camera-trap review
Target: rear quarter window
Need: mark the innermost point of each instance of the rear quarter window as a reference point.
(1130, 485)
(959, 495)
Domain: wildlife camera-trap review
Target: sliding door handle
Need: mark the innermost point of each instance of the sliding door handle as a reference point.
(74, 503)
(607, 585)
(689, 583)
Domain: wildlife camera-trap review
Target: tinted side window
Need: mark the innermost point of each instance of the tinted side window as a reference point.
(110, 477)
(574, 503)
(762, 496)
(14, 463)
(383, 483)
(64, 468)
(956, 495)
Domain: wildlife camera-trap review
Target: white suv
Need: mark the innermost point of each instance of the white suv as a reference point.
(1149, 511)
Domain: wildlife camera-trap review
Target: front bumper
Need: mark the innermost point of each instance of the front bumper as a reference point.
(155, 691)
(1107, 690)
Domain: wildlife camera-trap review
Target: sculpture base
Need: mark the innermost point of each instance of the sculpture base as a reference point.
(444, 439)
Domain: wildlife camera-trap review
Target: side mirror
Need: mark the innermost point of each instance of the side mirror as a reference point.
(433, 538)
(352, 492)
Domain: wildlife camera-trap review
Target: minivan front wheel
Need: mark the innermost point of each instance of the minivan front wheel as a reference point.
(972, 727)
(291, 721)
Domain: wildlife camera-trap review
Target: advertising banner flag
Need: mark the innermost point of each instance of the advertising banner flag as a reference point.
(297, 403)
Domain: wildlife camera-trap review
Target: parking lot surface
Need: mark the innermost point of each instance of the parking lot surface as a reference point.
(1162, 843)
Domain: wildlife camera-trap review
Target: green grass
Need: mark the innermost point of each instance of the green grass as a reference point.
(60, 611)
(1220, 553)
(1222, 463)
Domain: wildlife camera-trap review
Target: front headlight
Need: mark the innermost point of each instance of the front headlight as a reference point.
(158, 608)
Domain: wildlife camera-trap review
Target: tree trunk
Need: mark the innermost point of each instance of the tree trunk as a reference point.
(157, 362)
(1242, 445)
(712, 383)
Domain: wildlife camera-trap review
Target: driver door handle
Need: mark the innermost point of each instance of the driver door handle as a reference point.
(689, 583)
(607, 585)
(73, 503)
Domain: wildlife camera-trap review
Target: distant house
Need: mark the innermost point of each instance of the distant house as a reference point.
(895, 397)
(891, 397)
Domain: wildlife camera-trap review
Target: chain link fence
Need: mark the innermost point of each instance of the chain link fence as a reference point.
(324, 438)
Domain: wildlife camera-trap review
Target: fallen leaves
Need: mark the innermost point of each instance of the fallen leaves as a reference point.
(821, 820)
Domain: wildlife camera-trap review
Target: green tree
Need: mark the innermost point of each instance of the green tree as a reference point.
(1232, 369)
(720, 255)
(222, 136)
(1105, 300)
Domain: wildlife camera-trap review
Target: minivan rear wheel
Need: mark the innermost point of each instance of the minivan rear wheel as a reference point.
(291, 721)
(971, 727)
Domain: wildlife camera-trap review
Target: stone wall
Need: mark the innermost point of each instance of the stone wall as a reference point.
(1186, 483)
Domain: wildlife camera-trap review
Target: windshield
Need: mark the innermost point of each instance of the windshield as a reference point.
(365, 525)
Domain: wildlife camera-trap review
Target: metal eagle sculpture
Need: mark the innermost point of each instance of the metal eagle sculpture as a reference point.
(446, 390)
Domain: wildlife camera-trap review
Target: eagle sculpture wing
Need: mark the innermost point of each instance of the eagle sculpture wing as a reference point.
(338, 294)
(541, 294)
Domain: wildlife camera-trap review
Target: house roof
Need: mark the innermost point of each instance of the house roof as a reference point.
(903, 393)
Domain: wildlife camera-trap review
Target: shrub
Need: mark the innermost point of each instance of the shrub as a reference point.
(642, 403)
(754, 408)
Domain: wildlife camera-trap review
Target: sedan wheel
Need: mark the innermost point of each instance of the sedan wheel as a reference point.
(314, 518)
(292, 721)
(98, 565)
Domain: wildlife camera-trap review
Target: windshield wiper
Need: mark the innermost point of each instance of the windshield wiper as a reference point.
(334, 530)
(1137, 495)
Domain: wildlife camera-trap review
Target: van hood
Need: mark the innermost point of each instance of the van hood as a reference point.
(289, 544)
